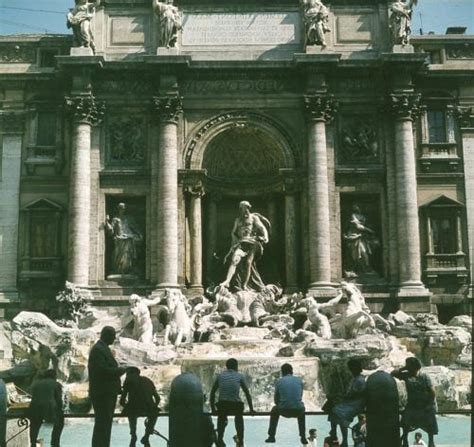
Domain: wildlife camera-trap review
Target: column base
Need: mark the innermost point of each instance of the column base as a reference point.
(414, 298)
(322, 290)
(7, 295)
(194, 290)
(160, 289)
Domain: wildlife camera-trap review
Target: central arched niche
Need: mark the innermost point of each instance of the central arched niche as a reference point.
(241, 155)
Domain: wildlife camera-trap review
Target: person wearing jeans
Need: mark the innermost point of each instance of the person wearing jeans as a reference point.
(288, 403)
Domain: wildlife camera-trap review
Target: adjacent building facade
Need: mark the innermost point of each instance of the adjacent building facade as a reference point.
(123, 169)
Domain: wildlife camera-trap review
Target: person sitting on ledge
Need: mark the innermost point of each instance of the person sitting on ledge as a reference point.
(353, 404)
(139, 398)
(288, 403)
(420, 411)
(229, 384)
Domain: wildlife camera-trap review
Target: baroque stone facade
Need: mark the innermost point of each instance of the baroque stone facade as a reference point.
(357, 148)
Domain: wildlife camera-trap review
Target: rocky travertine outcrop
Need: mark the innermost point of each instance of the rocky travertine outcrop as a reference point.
(36, 343)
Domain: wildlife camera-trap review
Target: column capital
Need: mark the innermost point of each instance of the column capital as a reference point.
(12, 122)
(465, 116)
(320, 107)
(405, 106)
(85, 109)
(169, 107)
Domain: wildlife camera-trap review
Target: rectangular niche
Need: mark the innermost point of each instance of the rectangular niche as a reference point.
(125, 237)
(361, 237)
(355, 27)
(126, 137)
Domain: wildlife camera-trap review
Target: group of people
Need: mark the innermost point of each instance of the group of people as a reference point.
(139, 398)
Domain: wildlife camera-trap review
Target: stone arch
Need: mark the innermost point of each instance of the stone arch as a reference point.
(266, 130)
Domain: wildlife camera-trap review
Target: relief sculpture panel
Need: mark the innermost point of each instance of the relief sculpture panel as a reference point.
(126, 140)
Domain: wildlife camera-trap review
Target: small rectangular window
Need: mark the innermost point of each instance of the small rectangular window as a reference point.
(437, 126)
(444, 235)
(46, 129)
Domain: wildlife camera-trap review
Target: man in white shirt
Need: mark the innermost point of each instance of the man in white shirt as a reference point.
(313, 438)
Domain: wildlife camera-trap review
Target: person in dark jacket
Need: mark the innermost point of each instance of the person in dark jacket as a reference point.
(46, 405)
(139, 398)
(104, 386)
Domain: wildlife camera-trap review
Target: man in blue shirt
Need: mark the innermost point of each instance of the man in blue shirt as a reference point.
(288, 403)
(229, 384)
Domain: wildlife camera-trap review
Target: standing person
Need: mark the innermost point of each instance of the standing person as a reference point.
(139, 398)
(104, 386)
(420, 411)
(46, 405)
(288, 403)
(354, 401)
(313, 438)
(229, 384)
(359, 431)
(418, 440)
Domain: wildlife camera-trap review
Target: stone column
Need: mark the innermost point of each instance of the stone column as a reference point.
(465, 118)
(405, 107)
(10, 163)
(321, 109)
(195, 230)
(169, 108)
(86, 112)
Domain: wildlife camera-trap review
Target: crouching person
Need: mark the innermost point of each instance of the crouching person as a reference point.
(288, 403)
(139, 399)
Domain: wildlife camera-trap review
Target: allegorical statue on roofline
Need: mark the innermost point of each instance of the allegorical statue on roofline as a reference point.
(249, 234)
(79, 19)
(169, 23)
(400, 21)
(316, 22)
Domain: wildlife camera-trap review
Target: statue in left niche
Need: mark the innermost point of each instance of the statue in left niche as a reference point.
(170, 22)
(126, 239)
(79, 19)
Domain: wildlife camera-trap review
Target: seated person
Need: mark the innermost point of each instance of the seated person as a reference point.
(139, 398)
(353, 404)
(288, 403)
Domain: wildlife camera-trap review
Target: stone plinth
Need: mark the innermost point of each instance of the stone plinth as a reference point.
(403, 49)
(163, 51)
(81, 51)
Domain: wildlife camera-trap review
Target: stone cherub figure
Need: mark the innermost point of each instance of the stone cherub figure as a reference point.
(142, 324)
(316, 21)
(79, 19)
(170, 22)
(126, 237)
(400, 21)
(249, 233)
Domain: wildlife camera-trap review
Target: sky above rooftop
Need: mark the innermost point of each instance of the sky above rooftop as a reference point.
(33, 16)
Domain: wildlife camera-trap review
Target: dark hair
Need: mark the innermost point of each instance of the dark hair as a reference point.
(232, 364)
(418, 434)
(286, 369)
(107, 334)
(312, 430)
(355, 366)
(133, 370)
(412, 364)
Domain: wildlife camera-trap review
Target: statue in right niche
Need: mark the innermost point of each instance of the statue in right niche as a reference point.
(316, 22)
(400, 21)
(360, 241)
(170, 22)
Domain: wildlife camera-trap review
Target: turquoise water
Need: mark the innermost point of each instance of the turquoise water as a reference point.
(454, 431)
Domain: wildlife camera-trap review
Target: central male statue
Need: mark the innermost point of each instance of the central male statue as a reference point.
(248, 236)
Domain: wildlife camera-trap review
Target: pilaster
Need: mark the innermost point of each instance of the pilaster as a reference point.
(11, 128)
